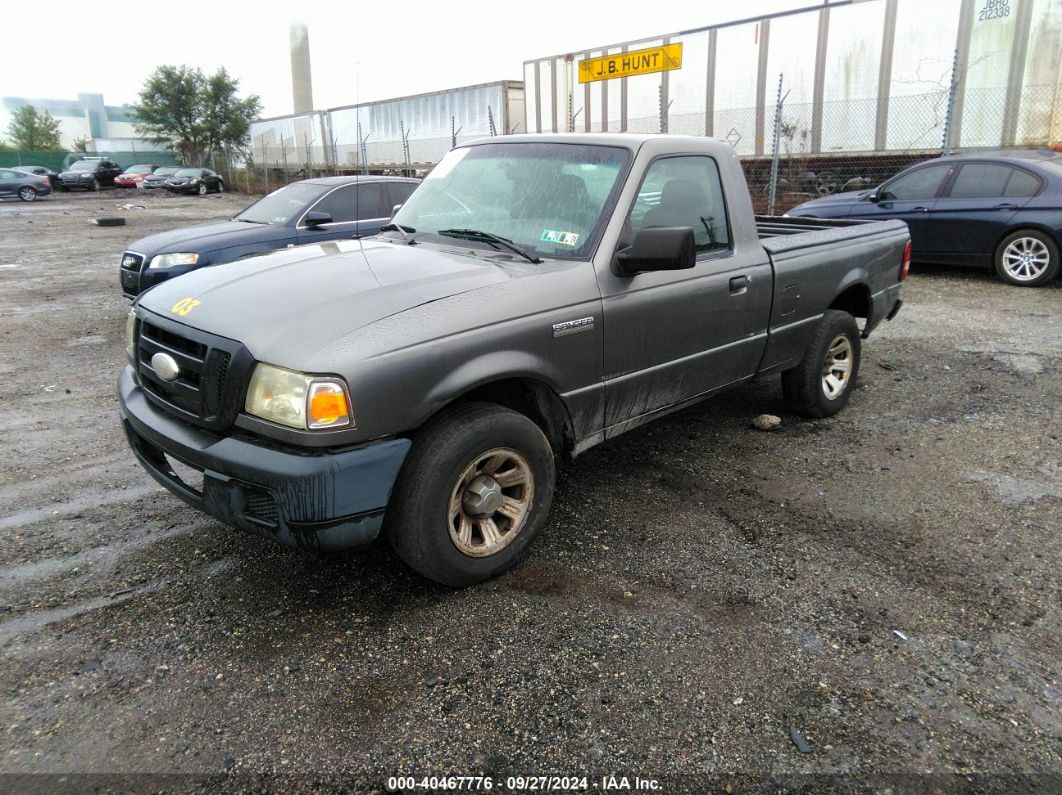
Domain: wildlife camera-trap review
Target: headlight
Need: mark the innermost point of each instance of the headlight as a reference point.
(163, 261)
(130, 331)
(297, 400)
(194, 181)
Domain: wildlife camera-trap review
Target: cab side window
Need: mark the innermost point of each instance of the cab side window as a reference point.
(683, 191)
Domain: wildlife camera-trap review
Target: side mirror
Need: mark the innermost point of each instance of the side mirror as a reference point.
(668, 248)
(316, 218)
(395, 209)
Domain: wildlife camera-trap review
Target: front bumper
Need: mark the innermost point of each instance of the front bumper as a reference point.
(325, 500)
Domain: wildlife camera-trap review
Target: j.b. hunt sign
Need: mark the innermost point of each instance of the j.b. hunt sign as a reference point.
(628, 64)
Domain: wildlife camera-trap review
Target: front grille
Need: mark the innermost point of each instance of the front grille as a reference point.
(261, 506)
(212, 372)
(131, 261)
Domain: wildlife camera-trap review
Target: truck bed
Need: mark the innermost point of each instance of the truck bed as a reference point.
(780, 234)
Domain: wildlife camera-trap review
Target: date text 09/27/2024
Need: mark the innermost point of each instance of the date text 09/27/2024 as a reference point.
(522, 783)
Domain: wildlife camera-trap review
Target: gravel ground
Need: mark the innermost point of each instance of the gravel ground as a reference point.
(840, 603)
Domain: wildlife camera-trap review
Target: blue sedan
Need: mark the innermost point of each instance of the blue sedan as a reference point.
(998, 209)
(310, 211)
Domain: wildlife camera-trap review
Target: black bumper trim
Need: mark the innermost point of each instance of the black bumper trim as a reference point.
(328, 500)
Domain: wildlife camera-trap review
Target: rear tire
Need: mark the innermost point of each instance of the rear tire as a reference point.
(820, 385)
(27, 194)
(1027, 258)
(221, 186)
(448, 518)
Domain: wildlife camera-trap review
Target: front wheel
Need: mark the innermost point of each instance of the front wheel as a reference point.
(202, 189)
(1027, 258)
(94, 186)
(820, 385)
(27, 194)
(472, 494)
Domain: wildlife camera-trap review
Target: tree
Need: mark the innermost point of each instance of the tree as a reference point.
(33, 131)
(194, 114)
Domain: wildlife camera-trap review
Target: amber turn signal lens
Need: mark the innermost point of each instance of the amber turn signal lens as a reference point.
(328, 406)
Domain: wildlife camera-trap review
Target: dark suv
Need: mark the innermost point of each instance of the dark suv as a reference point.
(89, 173)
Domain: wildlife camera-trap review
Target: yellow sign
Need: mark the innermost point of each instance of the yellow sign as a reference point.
(628, 64)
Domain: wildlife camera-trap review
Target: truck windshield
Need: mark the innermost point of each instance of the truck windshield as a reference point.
(548, 198)
(283, 204)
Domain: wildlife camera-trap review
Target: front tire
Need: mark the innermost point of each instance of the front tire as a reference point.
(202, 190)
(820, 385)
(472, 494)
(94, 186)
(27, 194)
(1027, 258)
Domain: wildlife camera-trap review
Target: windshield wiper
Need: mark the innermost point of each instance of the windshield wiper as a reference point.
(489, 237)
(247, 221)
(402, 230)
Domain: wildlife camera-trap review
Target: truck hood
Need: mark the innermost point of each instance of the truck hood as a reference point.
(204, 238)
(286, 306)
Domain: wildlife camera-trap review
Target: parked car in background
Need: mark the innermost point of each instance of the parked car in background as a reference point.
(1000, 209)
(158, 177)
(310, 211)
(134, 175)
(22, 185)
(41, 171)
(200, 181)
(89, 173)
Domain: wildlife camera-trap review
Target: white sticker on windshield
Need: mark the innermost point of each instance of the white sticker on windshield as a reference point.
(561, 238)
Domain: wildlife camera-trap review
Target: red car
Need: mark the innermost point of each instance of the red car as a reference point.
(134, 175)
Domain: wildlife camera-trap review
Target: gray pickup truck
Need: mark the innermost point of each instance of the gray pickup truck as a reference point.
(534, 297)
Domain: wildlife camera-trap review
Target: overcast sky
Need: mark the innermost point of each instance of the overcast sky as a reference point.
(360, 51)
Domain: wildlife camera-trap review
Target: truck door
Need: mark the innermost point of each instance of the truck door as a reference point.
(673, 335)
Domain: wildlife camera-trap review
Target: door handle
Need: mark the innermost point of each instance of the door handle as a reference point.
(921, 209)
(1005, 207)
(738, 284)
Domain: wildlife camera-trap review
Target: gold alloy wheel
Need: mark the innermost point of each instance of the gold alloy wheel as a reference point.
(490, 502)
(838, 367)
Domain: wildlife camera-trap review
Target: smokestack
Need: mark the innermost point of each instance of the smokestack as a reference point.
(301, 84)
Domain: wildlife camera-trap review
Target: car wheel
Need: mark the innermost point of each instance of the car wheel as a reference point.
(94, 186)
(826, 184)
(820, 385)
(472, 494)
(1027, 258)
(27, 194)
(202, 190)
(221, 186)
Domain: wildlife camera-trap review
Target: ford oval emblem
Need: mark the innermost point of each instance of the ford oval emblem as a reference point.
(165, 366)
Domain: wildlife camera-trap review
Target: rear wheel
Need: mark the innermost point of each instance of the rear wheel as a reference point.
(27, 194)
(221, 186)
(821, 384)
(472, 494)
(1027, 258)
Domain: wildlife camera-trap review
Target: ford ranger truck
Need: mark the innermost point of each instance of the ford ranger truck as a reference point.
(536, 295)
